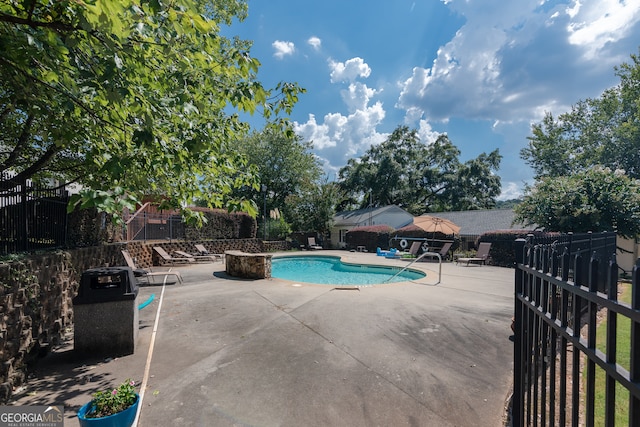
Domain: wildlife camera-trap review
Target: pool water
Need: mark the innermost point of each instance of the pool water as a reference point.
(327, 270)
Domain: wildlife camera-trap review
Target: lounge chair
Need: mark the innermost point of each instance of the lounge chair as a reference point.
(442, 252)
(481, 257)
(312, 243)
(166, 258)
(197, 258)
(203, 251)
(413, 250)
(141, 272)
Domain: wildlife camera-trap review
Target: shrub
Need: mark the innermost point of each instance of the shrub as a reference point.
(371, 237)
(221, 224)
(502, 244)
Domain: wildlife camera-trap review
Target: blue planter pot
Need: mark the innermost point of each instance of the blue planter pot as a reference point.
(121, 419)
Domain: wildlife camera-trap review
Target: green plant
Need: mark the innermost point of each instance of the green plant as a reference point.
(105, 403)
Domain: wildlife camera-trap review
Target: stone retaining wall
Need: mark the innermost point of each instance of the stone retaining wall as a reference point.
(36, 306)
(36, 296)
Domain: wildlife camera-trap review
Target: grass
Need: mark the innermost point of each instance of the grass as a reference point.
(623, 337)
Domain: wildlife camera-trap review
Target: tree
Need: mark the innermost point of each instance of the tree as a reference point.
(587, 163)
(597, 199)
(474, 185)
(130, 99)
(419, 177)
(507, 204)
(315, 209)
(602, 131)
(284, 164)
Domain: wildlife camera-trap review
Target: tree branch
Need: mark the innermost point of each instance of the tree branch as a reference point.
(5, 112)
(55, 25)
(20, 144)
(73, 98)
(31, 170)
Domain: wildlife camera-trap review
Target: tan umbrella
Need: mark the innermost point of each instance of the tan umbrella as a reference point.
(433, 224)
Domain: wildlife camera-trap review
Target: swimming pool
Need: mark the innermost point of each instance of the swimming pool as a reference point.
(330, 270)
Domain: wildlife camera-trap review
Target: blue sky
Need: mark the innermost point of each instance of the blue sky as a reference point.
(480, 71)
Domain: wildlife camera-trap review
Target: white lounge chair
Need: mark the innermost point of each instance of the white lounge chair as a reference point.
(168, 259)
(197, 258)
(312, 243)
(203, 251)
(141, 272)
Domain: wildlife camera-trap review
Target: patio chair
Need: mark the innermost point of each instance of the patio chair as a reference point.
(141, 272)
(481, 257)
(196, 258)
(166, 258)
(442, 252)
(312, 243)
(413, 250)
(203, 251)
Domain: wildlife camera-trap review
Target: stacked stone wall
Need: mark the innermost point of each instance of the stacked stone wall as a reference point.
(146, 256)
(36, 309)
(36, 305)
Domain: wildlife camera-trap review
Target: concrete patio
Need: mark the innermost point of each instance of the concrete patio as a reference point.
(218, 351)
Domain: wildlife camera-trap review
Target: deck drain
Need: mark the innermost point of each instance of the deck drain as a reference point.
(346, 289)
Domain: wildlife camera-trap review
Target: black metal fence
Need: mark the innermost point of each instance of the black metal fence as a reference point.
(560, 357)
(32, 218)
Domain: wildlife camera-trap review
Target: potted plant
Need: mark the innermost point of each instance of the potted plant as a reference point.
(114, 408)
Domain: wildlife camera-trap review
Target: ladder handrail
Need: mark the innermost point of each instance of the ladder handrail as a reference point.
(418, 259)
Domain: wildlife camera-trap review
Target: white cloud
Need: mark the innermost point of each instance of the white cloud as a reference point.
(341, 137)
(510, 191)
(597, 23)
(315, 42)
(348, 71)
(357, 96)
(318, 133)
(283, 48)
(514, 61)
(573, 11)
(426, 133)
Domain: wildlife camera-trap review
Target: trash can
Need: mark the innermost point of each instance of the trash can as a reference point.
(105, 312)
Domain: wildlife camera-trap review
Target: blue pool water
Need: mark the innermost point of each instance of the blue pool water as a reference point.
(327, 270)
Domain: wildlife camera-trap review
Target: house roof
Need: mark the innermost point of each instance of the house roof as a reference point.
(481, 221)
(365, 216)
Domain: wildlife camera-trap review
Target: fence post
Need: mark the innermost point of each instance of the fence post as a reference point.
(24, 221)
(612, 327)
(577, 324)
(517, 398)
(592, 312)
(634, 372)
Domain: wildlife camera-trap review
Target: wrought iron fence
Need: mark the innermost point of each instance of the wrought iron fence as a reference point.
(32, 217)
(559, 286)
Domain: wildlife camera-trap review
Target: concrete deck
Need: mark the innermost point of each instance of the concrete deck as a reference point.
(217, 351)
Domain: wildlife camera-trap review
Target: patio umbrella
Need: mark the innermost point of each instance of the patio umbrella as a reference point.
(433, 224)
